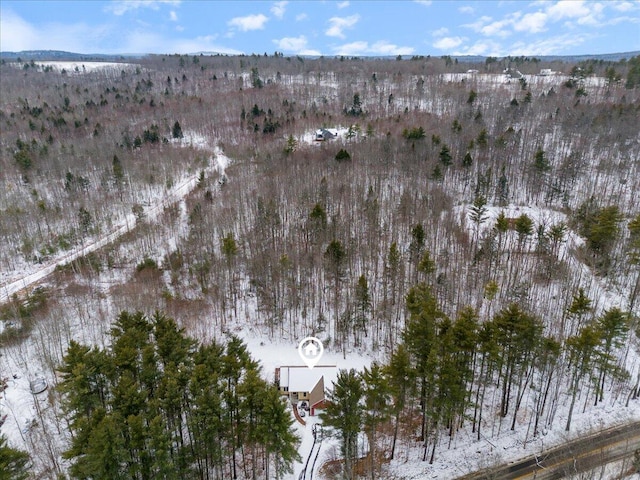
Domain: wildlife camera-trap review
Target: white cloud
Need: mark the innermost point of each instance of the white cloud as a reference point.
(532, 23)
(423, 2)
(250, 22)
(151, 42)
(342, 5)
(278, 9)
(16, 34)
(479, 48)
(173, 16)
(201, 44)
(338, 24)
(573, 12)
(569, 9)
(353, 48)
(381, 47)
(623, 6)
(482, 47)
(440, 32)
(582, 13)
(594, 16)
(447, 43)
(292, 44)
(499, 28)
(479, 24)
(384, 48)
(466, 10)
(301, 16)
(557, 45)
(120, 7)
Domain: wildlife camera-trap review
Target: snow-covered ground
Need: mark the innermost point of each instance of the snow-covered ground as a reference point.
(34, 273)
(81, 66)
(604, 294)
(28, 415)
(25, 411)
(309, 138)
(467, 454)
(272, 354)
(492, 78)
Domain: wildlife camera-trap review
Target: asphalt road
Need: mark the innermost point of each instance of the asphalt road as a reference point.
(578, 456)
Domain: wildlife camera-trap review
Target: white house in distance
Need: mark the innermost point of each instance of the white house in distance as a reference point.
(304, 384)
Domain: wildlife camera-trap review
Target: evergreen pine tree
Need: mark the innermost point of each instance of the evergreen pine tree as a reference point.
(612, 327)
(420, 337)
(13, 462)
(478, 214)
(376, 408)
(278, 435)
(582, 356)
(399, 374)
(154, 406)
(524, 228)
(176, 131)
(467, 160)
(344, 417)
(517, 337)
(445, 156)
(362, 308)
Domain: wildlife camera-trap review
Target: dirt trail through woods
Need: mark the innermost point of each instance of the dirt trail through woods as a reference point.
(175, 194)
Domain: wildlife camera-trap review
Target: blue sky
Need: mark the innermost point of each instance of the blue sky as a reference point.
(351, 28)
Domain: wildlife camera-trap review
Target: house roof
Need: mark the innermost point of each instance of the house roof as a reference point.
(324, 132)
(317, 394)
(303, 379)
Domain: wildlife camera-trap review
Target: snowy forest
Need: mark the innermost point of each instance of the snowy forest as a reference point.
(472, 231)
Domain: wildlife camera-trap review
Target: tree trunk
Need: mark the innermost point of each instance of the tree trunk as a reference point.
(435, 442)
(574, 390)
(540, 411)
(521, 389)
(395, 435)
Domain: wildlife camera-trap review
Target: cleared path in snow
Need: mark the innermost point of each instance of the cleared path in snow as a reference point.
(175, 194)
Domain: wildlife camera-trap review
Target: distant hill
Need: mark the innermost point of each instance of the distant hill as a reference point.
(71, 56)
(607, 57)
(61, 55)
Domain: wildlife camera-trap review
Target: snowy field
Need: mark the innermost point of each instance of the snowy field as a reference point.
(81, 66)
